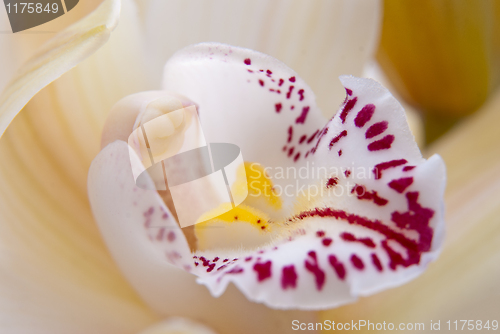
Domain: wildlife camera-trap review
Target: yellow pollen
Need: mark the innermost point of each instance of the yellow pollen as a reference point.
(241, 213)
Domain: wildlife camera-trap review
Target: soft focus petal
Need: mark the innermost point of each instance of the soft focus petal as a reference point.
(144, 239)
(382, 235)
(319, 39)
(464, 283)
(56, 57)
(177, 326)
(56, 274)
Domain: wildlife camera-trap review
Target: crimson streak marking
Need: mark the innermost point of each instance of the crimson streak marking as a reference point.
(401, 184)
(337, 138)
(312, 137)
(381, 144)
(337, 266)
(364, 115)
(362, 193)
(377, 170)
(376, 129)
(347, 108)
(351, 238)
(357, 262)
(278, 107)
(376, 262)
(263, 270)
(323, 132)
(315, 270)
(302, 118)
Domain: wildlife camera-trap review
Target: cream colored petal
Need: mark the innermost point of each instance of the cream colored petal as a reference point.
(56, 275)
(56, 57)
(177, 326)
(463, 283)
(319, 39)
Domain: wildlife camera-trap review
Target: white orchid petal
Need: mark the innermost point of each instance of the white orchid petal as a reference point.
(56, 57)
(145, 241)
(319, 39)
